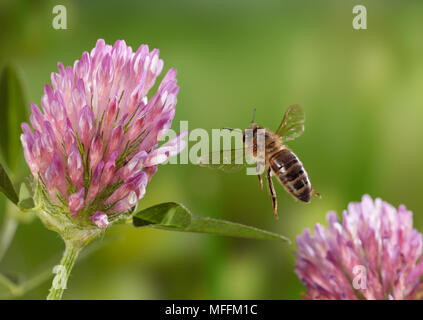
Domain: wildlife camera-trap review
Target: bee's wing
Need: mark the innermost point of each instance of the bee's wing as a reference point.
(225, 160)
(292, 125)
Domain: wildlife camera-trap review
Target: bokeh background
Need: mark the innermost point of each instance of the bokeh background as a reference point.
(363, 96)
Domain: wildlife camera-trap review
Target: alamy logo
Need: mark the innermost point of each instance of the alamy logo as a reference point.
(228, 145)
(360, 20)
(59, 281)
(60, 20)
(360, 279)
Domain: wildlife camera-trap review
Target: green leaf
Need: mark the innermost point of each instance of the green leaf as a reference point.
(25, 198)
(233, 229)
(169, 214)
(6, 186)
(175, 217)
(13, 111)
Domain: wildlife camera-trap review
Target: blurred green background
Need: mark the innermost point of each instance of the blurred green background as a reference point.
(363, 96)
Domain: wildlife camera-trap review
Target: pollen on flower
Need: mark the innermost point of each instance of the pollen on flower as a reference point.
(93, 146)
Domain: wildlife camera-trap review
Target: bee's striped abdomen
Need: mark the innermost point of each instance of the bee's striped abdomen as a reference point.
(291, 174)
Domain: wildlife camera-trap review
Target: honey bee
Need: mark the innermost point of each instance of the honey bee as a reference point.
(278, 159)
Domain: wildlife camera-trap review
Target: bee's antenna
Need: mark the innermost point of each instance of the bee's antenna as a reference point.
(231, 129)
(254, 115)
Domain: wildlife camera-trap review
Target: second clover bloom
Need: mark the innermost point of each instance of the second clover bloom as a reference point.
(94, 145)
(374, 253)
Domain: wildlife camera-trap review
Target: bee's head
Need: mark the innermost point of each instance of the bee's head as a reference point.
(253, 126)
(251, 130)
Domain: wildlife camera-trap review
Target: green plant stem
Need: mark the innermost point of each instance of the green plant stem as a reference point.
(63, 270)
(14, 289)
(7, 233)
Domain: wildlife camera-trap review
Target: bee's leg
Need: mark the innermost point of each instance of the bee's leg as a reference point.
(259, 175)
(273, 194)
(316, 194)
(260, 181)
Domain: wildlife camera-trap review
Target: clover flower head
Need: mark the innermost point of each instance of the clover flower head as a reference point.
(94, 145)
(373, 254)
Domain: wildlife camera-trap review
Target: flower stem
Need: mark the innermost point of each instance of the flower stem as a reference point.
(63, 270)
(14, 289)
(10, 224)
